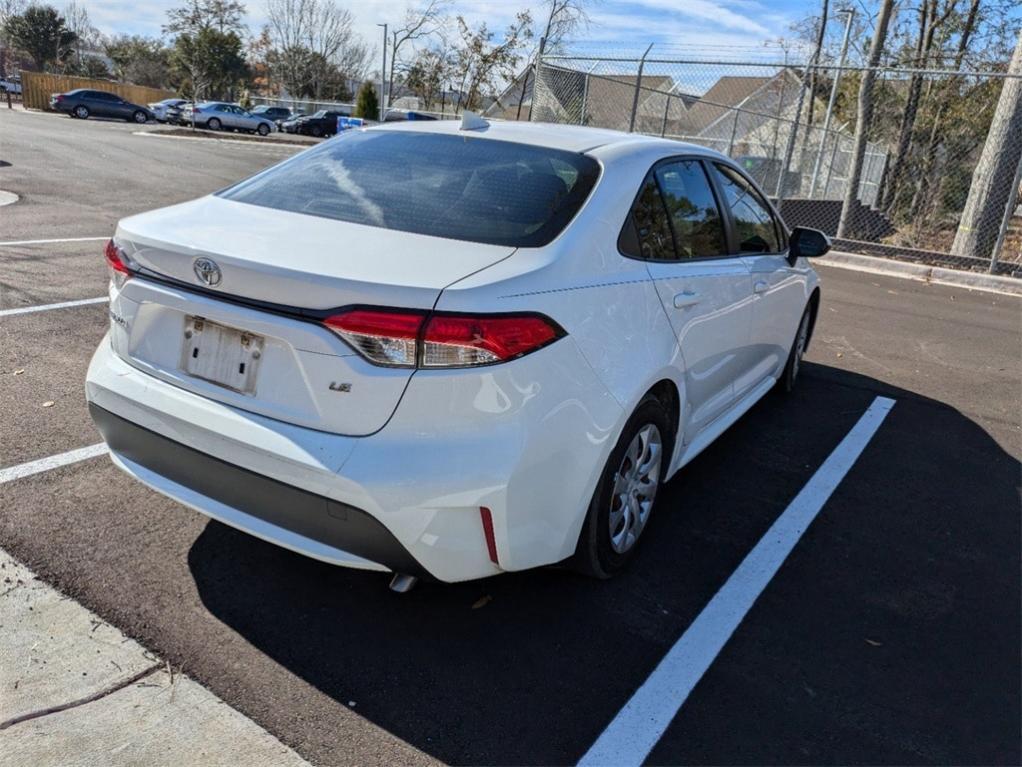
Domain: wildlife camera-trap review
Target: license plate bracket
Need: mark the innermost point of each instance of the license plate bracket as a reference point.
(220, 354)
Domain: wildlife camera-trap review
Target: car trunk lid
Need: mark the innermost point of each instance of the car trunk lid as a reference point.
(279, 275)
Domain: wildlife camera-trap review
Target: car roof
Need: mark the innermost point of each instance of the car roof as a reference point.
(572, 138)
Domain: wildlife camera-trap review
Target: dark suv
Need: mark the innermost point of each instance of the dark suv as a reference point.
(323, 123)
(84, 103)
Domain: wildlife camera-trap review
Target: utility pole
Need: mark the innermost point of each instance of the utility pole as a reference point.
(383, 75)
(833, 97)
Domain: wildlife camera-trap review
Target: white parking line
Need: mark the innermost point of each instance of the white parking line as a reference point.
(637, 728)
(40, 465)
(59, 239)
(47, 307)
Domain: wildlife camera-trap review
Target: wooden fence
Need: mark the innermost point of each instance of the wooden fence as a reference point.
(37, 87)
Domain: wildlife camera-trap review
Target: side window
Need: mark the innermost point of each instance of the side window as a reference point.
(647, 232)
(754, 223)
(698, 228)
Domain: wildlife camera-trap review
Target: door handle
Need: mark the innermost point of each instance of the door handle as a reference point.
(760, 287)
(687, 298)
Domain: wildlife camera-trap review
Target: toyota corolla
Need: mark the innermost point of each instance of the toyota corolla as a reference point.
(450, 349)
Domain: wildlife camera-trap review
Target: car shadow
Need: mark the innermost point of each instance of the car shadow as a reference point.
(528, 668)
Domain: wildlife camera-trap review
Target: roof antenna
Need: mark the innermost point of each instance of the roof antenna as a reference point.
(472, 121)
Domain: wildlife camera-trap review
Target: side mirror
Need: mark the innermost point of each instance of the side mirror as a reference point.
(807, 243)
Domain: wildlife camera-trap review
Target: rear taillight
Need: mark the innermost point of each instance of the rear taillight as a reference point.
(119, 263)
(382, 337)
(415, 339)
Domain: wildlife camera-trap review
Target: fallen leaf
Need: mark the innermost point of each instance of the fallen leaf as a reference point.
(49, 403)
(874, 643)
(482, 602)
(19, 371)
(839, 354)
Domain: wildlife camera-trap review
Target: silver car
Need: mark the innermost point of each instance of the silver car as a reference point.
(217, 115)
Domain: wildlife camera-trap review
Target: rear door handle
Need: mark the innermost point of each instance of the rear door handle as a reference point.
(760, 287)
(687, 298)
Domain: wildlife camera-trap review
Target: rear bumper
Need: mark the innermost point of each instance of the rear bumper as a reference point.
(406, 498)
(337, 532)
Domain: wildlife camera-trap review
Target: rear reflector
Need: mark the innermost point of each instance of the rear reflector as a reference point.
(491, 541)
(409, 339)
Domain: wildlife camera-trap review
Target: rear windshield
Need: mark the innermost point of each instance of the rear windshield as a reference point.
(459, 187)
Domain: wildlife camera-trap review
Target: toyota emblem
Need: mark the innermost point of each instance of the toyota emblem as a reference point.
(207, 271)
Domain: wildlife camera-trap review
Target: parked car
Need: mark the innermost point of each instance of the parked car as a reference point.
(168, 110)
(10, 84)
(526, 330)
(397, 115)
(276, 114)
(217, 115)
(321, 123)
(85, 102)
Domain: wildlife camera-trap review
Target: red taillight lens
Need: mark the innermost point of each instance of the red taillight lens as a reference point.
(386, 338)
(118, 262)
(398, 338)
(455, 340)
(115, 258)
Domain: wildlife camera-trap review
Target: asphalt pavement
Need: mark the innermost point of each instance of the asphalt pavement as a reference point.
(891, 635)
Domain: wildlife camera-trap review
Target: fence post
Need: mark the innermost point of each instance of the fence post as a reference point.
(585, 93)
(537, 65)
(1009, 211)
(833, 98)
(638, 87)
(789, 151)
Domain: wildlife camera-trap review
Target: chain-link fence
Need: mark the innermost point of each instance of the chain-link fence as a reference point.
(930, 186)
(303, 106)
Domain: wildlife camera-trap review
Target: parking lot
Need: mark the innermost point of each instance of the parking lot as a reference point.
(891, 634)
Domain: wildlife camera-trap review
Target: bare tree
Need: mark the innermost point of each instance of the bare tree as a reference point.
(422, 22)
(930, 20)
(480, 63)
(314, 41)
(193, 16)
(923, 178)
(76, 19)
(993, 178)
(864, 117)
(564, 18)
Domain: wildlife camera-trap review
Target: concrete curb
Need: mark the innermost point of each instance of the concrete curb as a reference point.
(936, 275)
(75, 690)
(254, 143)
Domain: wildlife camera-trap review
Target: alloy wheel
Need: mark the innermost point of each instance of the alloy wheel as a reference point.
(635, 487)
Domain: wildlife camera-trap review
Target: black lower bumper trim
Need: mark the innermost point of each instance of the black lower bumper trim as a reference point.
(313, 516)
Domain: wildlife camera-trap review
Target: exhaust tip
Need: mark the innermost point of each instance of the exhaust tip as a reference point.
(402, 583)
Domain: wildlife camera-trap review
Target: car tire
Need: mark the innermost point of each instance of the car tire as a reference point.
(263, 129)
(798, 348)
(140, 117)
(213, 124)
(316, 131)
(626, 493)
(81, 112)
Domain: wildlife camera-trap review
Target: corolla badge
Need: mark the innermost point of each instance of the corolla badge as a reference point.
(207, 271)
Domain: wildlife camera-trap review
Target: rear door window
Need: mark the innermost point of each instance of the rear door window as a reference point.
(647, 232)
(459, 187)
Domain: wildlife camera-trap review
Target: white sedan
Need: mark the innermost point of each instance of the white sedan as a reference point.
(450, 350)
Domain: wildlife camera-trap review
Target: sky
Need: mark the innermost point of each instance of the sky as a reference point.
(730, 26)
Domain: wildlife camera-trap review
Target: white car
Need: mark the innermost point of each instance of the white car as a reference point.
(450, 350)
